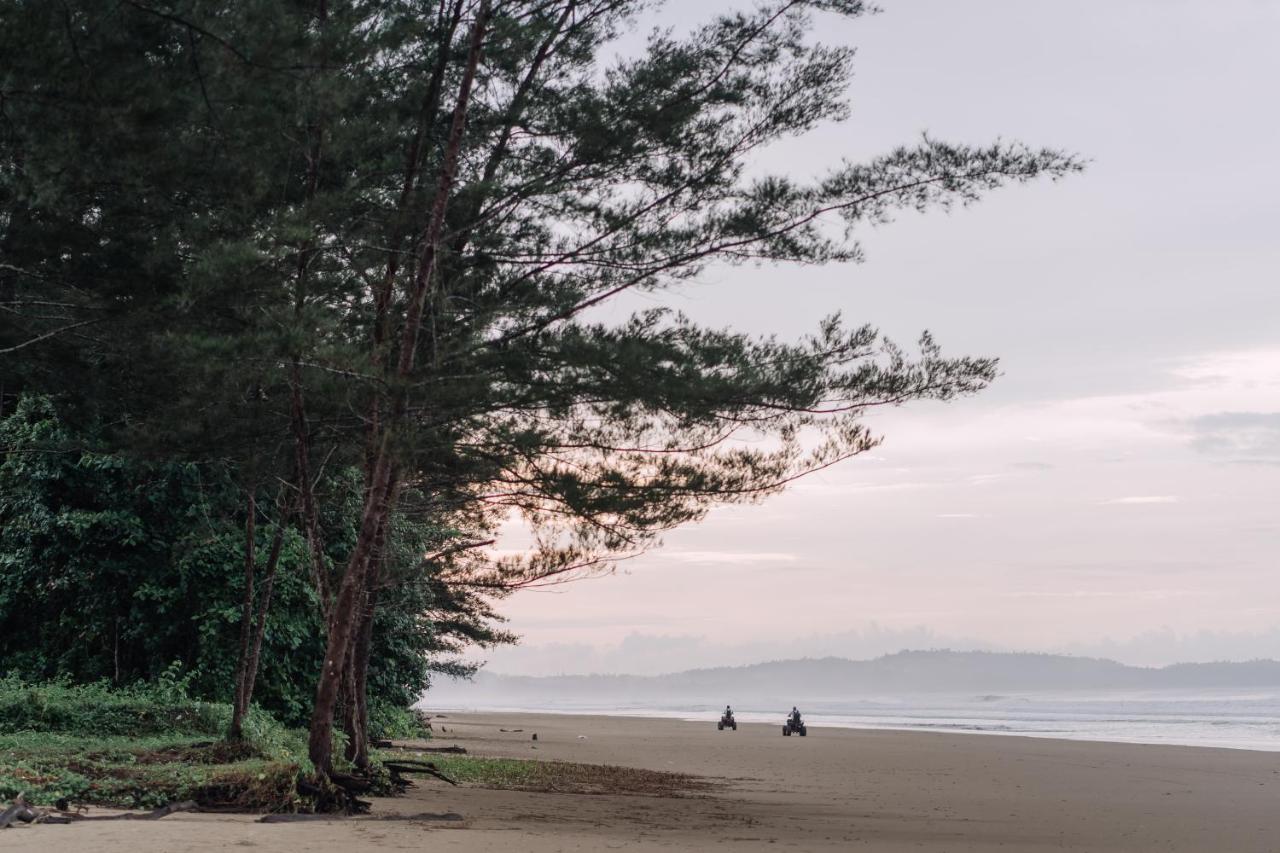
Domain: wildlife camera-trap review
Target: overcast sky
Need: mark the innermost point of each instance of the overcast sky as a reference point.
(1116, 491)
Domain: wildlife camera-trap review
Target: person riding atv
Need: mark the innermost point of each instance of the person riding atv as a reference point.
(727, 720)
(794, 724)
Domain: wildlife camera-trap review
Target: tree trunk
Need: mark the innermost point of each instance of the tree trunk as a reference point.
(345, 611)
(268, 587)
(240, 705)
(306, 490)
(383, 481)
(359, 750)
(347, 703)
(357, 678)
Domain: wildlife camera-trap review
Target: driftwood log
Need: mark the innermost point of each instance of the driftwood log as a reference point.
(399, 769)
(306, 818)
(433, 750)
(20, 811)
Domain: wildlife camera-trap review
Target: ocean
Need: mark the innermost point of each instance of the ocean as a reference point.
(1234, 719)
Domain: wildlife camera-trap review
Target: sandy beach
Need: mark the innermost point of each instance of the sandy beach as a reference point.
(837, 789)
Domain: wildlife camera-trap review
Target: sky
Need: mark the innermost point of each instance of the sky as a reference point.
(1115, 492)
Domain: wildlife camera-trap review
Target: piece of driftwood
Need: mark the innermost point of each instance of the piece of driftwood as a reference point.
(443, 750)
(435, 750)
(154, 814)
(445, 816)
(398, 769)
(20, 811)
(510, 731)
(306, 818)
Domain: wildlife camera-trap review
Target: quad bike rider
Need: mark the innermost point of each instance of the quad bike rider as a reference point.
(794, 725)
(727, 720)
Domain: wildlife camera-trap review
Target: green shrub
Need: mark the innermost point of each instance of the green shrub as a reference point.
(97, 709)
(393, 722)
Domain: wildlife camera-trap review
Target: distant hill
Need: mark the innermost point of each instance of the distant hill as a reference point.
(833, 679)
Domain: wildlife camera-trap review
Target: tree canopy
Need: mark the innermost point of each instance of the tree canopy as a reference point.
(374, 235)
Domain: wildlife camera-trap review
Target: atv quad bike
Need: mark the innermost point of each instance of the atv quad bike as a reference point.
(727, 722)
(794, 725)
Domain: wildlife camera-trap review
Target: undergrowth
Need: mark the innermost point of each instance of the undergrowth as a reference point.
(142, 747)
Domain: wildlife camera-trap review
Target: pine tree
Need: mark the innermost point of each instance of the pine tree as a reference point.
(378, 233)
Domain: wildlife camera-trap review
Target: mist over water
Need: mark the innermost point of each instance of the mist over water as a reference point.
(1227, 718)
(1222, 704)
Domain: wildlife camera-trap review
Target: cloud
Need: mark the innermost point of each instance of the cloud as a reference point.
(727, 557)
(1243, 436)
(1257, 369)
(1142, 499)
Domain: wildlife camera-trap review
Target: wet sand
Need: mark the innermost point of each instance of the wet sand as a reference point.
(837, 789)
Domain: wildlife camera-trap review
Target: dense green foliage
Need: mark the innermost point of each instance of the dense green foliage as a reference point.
(85, 710)
(121, 570)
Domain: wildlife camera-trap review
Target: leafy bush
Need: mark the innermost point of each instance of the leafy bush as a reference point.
(393, 722)
(94, 710)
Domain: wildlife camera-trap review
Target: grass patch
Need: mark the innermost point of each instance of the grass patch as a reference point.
(561, 777)
(137, 777)
(141, 748)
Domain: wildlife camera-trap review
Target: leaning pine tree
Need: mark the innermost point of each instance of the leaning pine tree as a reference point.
(545, 185)
(438, 201)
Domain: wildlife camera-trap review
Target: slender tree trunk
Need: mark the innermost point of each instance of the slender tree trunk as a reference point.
(347, 702)
(356, 719)
(297, 408)
(358, 752)
(345, 611)
(356, 706)
(383, 480)
(514, 111)
(447, 24)
(268, 587)
(306, 491)
(239, 705)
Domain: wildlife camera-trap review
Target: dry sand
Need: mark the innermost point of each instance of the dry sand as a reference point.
(837, 789)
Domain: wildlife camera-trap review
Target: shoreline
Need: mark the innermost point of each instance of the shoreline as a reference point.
(822, 722)
(836, 790)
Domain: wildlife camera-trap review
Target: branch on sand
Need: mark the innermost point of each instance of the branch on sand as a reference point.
(21, 812)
